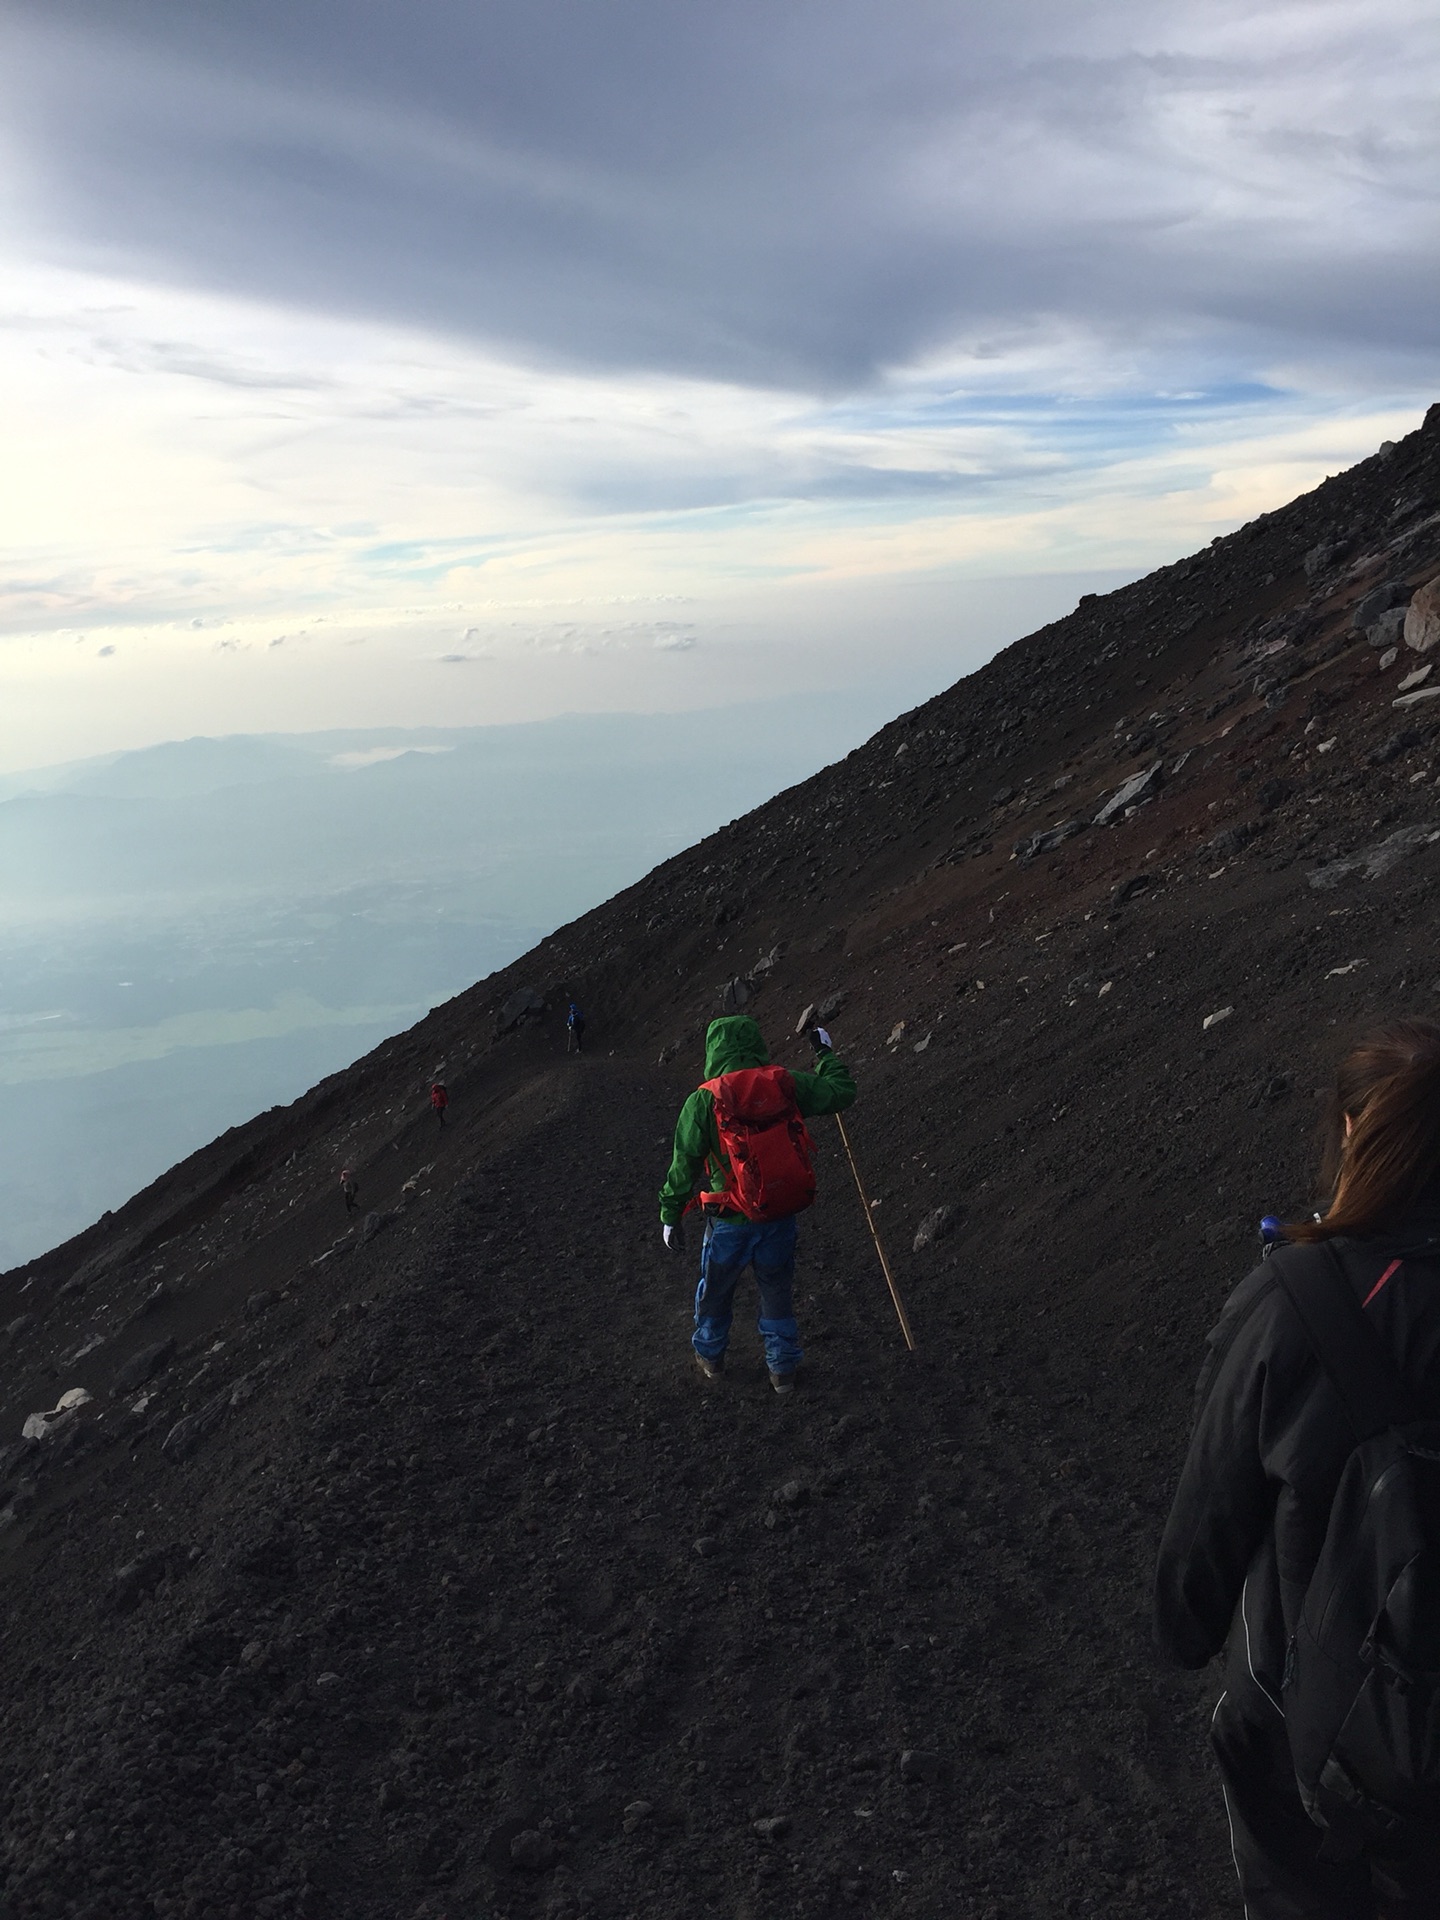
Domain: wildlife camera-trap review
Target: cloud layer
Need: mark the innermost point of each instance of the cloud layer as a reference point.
(803, 196)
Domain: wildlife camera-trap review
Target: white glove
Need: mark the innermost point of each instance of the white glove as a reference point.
(675, 1237)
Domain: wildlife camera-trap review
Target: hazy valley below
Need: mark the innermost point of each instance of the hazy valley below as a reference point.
(204, 928)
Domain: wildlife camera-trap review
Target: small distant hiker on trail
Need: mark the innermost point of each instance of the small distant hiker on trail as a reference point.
(743, 1154)
(574, 1030)
(349, 1188)
(439, 1100)
(1305, 1535)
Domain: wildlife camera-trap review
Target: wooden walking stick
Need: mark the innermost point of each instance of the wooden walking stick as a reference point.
(870, 1222)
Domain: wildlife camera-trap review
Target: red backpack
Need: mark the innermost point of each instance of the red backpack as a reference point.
(766, 1141)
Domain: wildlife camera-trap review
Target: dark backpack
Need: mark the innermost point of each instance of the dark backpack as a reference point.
(1362, 1676)
(764, 1137)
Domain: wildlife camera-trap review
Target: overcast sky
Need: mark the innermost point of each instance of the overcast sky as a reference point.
(417, 360)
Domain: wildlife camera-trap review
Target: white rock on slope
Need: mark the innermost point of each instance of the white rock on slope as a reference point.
(1422, 617)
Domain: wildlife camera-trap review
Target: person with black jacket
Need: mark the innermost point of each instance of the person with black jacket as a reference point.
(1270, 1441)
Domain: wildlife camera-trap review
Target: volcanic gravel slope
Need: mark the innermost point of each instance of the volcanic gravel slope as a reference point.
(413, 1569)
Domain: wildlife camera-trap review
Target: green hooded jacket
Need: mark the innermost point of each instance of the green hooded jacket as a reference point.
(730, 1044)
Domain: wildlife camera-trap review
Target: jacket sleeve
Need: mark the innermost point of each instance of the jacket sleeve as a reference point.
(1225, 1501)
(830, 1089)
(693, 1145)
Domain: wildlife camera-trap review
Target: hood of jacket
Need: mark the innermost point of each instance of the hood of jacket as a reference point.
(733, 1042)
(1415, 1233)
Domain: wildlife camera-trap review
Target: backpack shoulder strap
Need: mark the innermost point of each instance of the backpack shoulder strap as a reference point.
(1345, 1342)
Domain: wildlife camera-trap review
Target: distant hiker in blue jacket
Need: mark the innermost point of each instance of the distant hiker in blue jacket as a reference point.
(574, 1030)
(742, 1148)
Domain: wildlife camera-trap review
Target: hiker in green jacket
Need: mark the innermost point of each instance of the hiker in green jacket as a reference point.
(751, 1193)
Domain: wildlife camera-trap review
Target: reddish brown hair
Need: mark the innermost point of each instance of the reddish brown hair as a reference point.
(1389, 1089)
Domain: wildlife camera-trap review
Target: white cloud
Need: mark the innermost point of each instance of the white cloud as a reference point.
(361, 757)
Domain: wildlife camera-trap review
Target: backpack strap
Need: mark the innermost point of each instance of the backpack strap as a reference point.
(1346, 1343)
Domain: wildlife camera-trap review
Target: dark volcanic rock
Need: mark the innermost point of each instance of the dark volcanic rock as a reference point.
(533, 1852)
(1233, 840)
(523, 1004)
(936, 1224)
(1394, 593)
(920, 1767)
(142, 1366)
(1393, 746)
(1047, 839)
(186, 1436)
(135, 1579)
(1375, 861)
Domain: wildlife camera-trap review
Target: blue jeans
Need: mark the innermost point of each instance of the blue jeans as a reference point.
(728, 1248)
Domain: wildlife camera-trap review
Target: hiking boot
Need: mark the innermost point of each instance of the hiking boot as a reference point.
(783, 1382)
(712, 1369)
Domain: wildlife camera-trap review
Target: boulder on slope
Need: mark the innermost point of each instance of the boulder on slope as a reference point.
(1388, 631)
(1381, 599)
(1422, 617)
(1137, 789)
(523, 1004)
(142, 1366)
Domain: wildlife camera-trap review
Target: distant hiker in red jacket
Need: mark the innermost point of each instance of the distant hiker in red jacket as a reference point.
(439, 1100)
(741, 1136)
(349, 1188)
